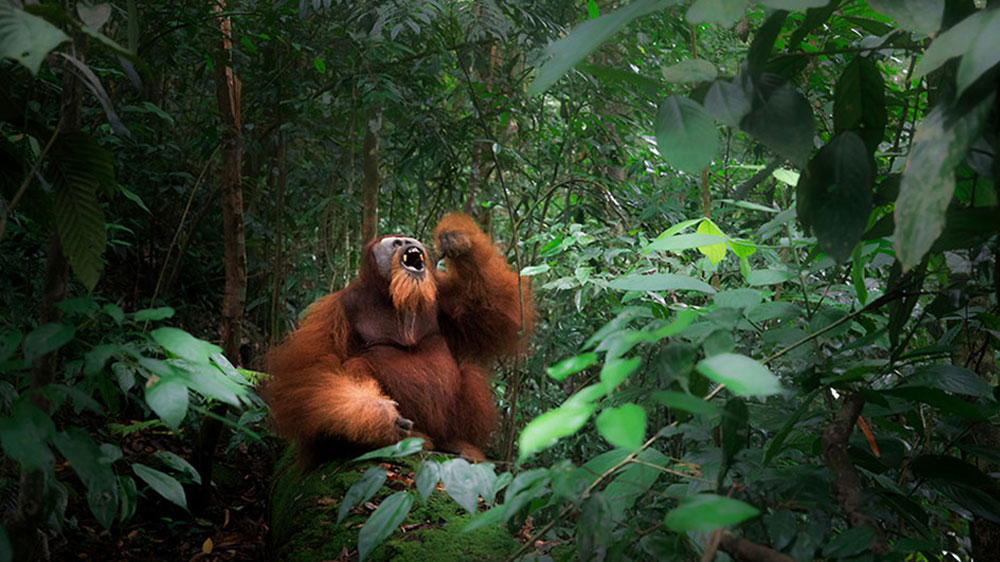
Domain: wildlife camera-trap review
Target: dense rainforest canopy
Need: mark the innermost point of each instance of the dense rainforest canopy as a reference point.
(762, 238)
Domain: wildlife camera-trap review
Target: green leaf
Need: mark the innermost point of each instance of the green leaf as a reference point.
(727, 102)
(939, 146)
(686, 402)
(742, 299)
(779, 438)
(956, 41)
(623, 426)
(660, 282)
(184, 345)
(919, 16)
(179, 464)
(859, 101)
(128, 495)
(722, 12)
(95, 359)
(163, 484)
(707, 512)
(849, 543)
(546, 429)
(462, 481)
(715, 252)
(9, 340)
(617, 370)
(834, 194)
(586, 37)
(362, 490)
(685, 134)
(535, 270)
(153, 314)
(25, 38)
(768, 277)
(784, 122)
(984, 52)
(80, 167)
(94, 470)
(115, 312)
(683, 242)
(794, 4)
(320, 65)
(46, 339)
(389, 515)
(404, 448)
(24, 436)
(742, 375)
(169, 399)
(951, 378)
(939, 399)
(690, 71)
(427, 478)
(734, 430)
(567, 367)
(593, 11)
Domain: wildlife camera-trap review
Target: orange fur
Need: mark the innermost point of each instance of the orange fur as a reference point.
(381, 352)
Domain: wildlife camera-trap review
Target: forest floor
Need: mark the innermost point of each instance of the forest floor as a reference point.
(231, 527)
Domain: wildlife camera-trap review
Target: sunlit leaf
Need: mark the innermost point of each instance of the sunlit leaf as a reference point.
(715, 252)
(546, 429)
(574, 364)
(707, 512)
(742, 375)
(623, 426)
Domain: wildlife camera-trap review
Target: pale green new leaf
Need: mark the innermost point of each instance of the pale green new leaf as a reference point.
(707, 512)
(624, 426)
(742, 375)
(546, 429)
(25, 38)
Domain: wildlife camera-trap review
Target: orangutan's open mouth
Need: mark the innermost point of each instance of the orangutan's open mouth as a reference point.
(413, 259)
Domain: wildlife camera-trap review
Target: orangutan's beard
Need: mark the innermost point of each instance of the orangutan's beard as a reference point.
(410, 296)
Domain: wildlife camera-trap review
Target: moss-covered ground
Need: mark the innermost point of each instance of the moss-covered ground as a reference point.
(304, 524)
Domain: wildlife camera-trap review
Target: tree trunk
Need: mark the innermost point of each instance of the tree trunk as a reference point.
(227, 90)
(369, 164)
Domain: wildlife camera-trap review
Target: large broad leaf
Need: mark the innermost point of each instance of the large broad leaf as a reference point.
(741, 374)
(184, 345)
(553, 425)
(24, 436)
(94, 470)
(586, 37)
(727, 102)
(623, 426)
(690, 71)
(918, 16)
(80, 167)
(975, 39)
(952, 378)
(714, 252)
(683, 242)
(707, 512)
(723, 12)
(859, 101)
(463, 482)
(46, 339)
(362, 490)
(660, 282)
(427, 478)
(615, 371)
(685, 134)
(984, 51)
(163, 484)
(27, 38)
(849, 543)
(389, 515)
(939, 145)
(834, 195)
(169, 399)
(686, 402)
(784, 122)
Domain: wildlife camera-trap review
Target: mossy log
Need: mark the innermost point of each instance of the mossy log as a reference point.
(304, 523)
